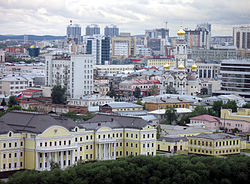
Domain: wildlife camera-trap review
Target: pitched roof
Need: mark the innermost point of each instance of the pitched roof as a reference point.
(206, 117)
(114, 121)
(122, 105)
(32, 122)
(172, 139)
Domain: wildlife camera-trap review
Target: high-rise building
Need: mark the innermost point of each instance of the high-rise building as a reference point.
(123, 46)
(111, 31)
(92, 30)
(74, 33)
(99, 47)
(73, 72)
(235, 76)
(241, 37)
(200, 37)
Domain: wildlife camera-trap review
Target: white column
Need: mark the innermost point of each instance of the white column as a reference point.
(43, 166)
(114, 152)
(49, 161)
(18, 159)
(104, 151)
(67, 158)
(109, 152)
(55, 156)
(37, 164)
(99, 149)
(96, 151)
(83, 151)
(61, 159)
(73, 157)
(1, 162)
(7, 163)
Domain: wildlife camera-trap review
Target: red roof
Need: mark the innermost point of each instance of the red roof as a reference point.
(30, 91)
(206, 117)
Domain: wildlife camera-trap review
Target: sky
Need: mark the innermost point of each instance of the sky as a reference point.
(51, 17)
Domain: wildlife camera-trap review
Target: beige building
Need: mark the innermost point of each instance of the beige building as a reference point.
(11, 85)
(161, 62)
(241, 37)
(113, 69)
(123, 47)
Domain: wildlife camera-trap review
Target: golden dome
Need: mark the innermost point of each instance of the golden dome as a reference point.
(194, 67)
(181, 67)
(32, 46)
(166, 66)
(181, 32)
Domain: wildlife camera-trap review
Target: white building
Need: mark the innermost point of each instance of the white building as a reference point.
(92, 100)
(241, 37)
(73, 72)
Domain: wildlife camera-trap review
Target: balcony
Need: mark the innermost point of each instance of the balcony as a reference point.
(56, 148)
(106, 140)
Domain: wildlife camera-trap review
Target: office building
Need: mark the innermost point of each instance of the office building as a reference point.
(111, 31)
(235, 76)
(73, 72)
(31, 140)
(92, 30)
(74, 33)
(2, 63)
(241, 37)
(208, 70)
(123, 47)
(99, 47)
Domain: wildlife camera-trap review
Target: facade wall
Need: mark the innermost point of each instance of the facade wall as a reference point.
(214, 147)
(155, 106)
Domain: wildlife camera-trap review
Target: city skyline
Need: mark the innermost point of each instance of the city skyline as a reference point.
(41, 17)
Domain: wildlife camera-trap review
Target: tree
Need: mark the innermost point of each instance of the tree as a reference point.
(12, 101)
(153, 90)
(137, 92)
(170, 90)
(111, 93)
(247, 105)
(139, 102)
(58, 95)
(171, 115)
(217, 107)
(158, 128)
(204, 91)
(230, 105)
(3, 103)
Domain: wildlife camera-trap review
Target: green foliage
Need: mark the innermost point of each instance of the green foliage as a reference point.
(3, 103)
(12, 101)
(170, 90)
(111, 93)
(139, 102)
(146, 170)
(247, 105)
(158, 128)
(74, 116)
(171, 115)
(153, 90)
(58, 95)
(16, 60)
(199, 110)
(230, 105)
(137, 92)
(217, 107)
(204, 91)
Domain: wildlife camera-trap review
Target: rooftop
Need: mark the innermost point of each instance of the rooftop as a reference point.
(216, 136)
(122, 105)
(206, 117)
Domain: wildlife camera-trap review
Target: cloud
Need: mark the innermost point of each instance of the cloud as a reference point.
(52, 16)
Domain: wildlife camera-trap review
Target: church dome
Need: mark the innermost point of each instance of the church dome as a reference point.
(181, 67)
(166, 66)
(194, 67)
(181, 32)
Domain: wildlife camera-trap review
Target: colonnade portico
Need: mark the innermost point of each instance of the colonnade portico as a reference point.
(64, 158)
(105, 151)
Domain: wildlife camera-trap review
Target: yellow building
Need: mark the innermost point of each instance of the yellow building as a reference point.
(218, 144)
(123, 46)
(161, 62)
(31, 140)
(241, 114)
(177, 145)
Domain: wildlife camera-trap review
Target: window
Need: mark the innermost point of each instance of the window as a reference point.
(136, 136)
(15, 144)
(41, 144)
(15, 164)
(10, 144)
(4, 155)
(87, 156)
(21, 164)
(45, 144)
(117, 144)
(69, 142)
(121, 144)
(148, 135)
(76, 139)
(50, 143)
(80, 138)
(9, 155)
(60, 143)
(152, 135)
(126, 134)
(136, 145)
(21, 154)
(87, 137)
(4, 145)
(143, 136)
(152, 145)
(131, 145)
(21, 143)
(91, 146)
(120, 153)
(9, 165)
(4, 166)
(131, 135)
(126, 144)
(80, 148)
(15, 154)
(64, 142)
(120, 134)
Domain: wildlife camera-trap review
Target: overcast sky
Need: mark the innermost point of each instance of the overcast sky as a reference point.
(50, 17)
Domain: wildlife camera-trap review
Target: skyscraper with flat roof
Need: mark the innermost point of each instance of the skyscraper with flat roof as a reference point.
(92, 30)
(74, 33)
(111, 31)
